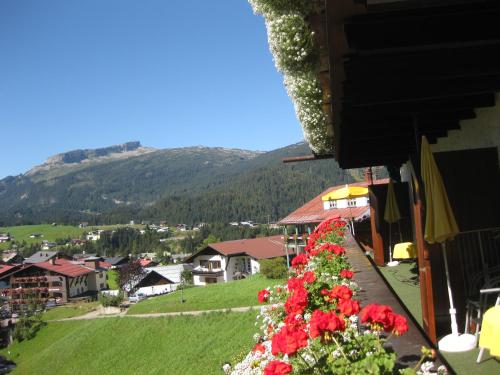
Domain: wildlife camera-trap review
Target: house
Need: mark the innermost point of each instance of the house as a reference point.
(230, 260)
(46, 245)
(36, 235)
(5, 270)
(162, 279)
(154, 283)
(41, 256)
(181, 227)
(94, 235)
(12, 257)
(299, 223)
(117, 262)
(4, 237)
(78, 242)
(56, 279)
(83, 224)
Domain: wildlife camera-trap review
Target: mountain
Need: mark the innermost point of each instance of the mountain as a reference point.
(191, 184)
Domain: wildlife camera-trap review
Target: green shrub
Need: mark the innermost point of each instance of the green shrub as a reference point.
(27, 326)
(274, 268)
(107, 300)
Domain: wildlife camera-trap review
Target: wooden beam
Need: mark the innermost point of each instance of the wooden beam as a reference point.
(294, 159)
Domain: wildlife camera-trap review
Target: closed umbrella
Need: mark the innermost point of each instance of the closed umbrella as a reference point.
(441, 226)
(391, 215)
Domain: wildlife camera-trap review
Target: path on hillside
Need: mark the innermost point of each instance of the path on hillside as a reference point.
(96, 315)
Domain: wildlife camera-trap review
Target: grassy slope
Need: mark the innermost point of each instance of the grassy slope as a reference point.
(50, 233)
(70, 310)
(180, 345)
(216, 296)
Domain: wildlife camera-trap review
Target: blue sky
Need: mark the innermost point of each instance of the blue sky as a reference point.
(168, 73)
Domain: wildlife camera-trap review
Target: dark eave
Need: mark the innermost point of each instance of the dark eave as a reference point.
(399, 71)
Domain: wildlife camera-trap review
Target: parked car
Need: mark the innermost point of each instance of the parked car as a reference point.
(136, 297)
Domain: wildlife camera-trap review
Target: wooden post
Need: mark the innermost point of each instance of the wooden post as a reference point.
(377, 240)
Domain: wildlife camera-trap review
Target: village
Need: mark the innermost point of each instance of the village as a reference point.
(372, 247)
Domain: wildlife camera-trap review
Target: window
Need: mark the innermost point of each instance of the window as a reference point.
(333, 204)
(351, 203)
(210, 280)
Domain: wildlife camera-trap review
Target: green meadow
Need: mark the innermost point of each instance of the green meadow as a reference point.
(197, 345)
(237, 293)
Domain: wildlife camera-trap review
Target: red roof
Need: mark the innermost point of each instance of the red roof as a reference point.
(144, 262)
(104, 264)
(258, 248)
(6, 268)
(313, 211)
(64, 267)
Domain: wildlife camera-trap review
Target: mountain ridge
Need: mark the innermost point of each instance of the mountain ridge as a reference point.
(190, 184)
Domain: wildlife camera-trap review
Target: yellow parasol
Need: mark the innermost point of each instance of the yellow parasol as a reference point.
(345, 193)
(441, 226)
(391, 215)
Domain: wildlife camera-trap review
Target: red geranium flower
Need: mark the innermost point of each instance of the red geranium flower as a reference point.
(295, 283)
(288, 340)
(263, 296)
(297, 302)
(341, 292)
(309, 277)
(300, 261)
(380, 316)
(346, 274)
(348, 307)
(277, 368)
(400, 324)
(322, 322)
(259, 348)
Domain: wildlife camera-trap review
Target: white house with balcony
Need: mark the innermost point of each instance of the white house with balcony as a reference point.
(231, 260)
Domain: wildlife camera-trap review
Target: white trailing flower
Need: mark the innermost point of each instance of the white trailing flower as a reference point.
(291, 42)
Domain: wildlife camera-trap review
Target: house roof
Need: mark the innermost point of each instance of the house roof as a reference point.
(145, 262)
(40, 256)
(172, 272)
(314, 212)
(258, 248)
(4, 268)
(116, 260)
(9, 256)
(65, 267)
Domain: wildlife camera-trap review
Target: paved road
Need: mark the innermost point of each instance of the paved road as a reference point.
(97, 315)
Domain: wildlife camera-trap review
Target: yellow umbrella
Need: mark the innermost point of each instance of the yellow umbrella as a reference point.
(345, 193)
(440, 226)
(391, 215)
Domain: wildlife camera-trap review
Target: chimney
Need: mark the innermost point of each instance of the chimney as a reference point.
(53, 261)
(369, 175)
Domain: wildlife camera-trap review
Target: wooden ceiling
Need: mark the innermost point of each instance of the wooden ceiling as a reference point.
(397, 74)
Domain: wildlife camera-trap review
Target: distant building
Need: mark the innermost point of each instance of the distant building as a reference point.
(41, 256)
(4, 237)
(117, 262)
(36, 235)
(12, 257)
(226, 261)
(56, 279)
(83, 224)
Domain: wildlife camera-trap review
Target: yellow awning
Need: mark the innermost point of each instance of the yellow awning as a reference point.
(345, 193)
(440, 224)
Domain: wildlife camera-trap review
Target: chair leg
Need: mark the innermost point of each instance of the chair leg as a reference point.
(480, 355)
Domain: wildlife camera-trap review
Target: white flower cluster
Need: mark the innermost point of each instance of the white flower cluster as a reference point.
(254, 363)
(427, 368)
(291, 42)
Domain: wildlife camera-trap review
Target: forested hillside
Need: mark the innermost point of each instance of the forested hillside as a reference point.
(189, 185)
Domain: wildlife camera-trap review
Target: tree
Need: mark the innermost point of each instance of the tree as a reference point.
(129, 276)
